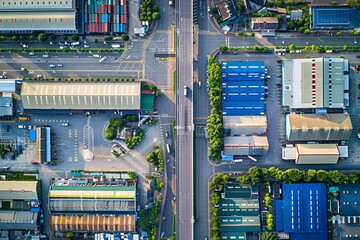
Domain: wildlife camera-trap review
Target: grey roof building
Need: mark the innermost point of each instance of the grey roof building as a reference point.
(245, 125)
(314, 83)
(6, 106)
(28, 16)
(245, 145)
(81, 95)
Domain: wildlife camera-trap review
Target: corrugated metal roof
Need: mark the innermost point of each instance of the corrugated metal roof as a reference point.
(243, 125)
(239, 207)
(246, 145)
(318, 127)
(304, 206)
(247, 112)
(243, 97)
(99, 223)
(38, 20)
(242, 76)
(279, 216)
(243, 105)
(92, 205)
(25, 190)
(18, 220)
(314, 83)
(81, 95)
(317, 153)
(243, 87)
(27, 5)
(349, 199)
(243, 67)
(7, 86)
(6, 106)
(236, 190)
(239, 223)
(233, 236)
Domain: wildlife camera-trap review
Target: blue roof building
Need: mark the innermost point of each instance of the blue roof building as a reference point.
(304, 211)
(337, 17)
(243, 86)
(243, 67)
(234, 97)
(350, 199)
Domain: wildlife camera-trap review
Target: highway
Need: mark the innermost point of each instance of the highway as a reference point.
(184, 120)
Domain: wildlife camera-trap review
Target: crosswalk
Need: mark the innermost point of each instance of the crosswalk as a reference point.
(207, 32)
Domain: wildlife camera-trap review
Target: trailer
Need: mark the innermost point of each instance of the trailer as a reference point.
(75, 43)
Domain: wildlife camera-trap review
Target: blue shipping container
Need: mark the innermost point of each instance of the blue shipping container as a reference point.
(118, 9)
(121, 9)
(86, 18)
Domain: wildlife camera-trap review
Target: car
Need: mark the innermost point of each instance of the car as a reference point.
(45, 56)
(31, 53)
(22, 126)
(52, 65)
(33, 162)
(53, 164)
(209, 9)
(166, 134)
(65, 124)
(39, 76)
(31, 72)
(25, 46)
(23, 69)
(199, 84)
(3, 76)
(86, 46)
(59, 65)
(61, 47)
(51, 43)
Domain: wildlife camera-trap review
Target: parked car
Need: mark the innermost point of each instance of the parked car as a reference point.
(59, 65)
(52, 65)
(65, 124)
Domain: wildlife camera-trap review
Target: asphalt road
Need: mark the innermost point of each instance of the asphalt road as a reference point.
(184, 121)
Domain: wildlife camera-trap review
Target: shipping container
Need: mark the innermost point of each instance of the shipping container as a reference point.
(125, 10)
(85, 18)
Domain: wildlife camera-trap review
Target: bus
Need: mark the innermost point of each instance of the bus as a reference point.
(168, 148)
(24, 118)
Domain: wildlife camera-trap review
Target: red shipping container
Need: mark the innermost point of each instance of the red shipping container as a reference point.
(86, 8)
(125, 11)
(109, 8)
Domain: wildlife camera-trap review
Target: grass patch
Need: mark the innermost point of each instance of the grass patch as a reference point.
(174, 81)
(20, 176)
(174, 131)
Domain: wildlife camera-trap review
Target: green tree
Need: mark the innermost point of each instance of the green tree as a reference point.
(301, 29)
(268, 236)
(279, 3)
(309, 175)
(108, 38)
(156, 16)
(156, 8)
(338, 34)
(64, 37)
(223, 48)
(345, 47)
(125, 37)
(52, 37)
(69, 235)
(157, 93)
(42, 37)
(336, 176)
(96, 40)
(32, 37)
(15, 38)
(75, 37)
(290, 25)
(322, 176)
(255, 174)
(295, 175)
(353, 3)
(307, 31)
(292, 47)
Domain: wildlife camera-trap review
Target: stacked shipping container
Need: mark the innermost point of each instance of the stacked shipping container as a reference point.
(106, 16)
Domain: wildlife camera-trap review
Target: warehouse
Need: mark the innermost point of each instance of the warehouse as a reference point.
(22, 16)
(43, 145)
(20, 205)
(304, 212)
(316, 154)
(314, 83)
(244, 125)
(245, 145)
(239, 207)
(81, 95)
(318, 127)
(333, 17)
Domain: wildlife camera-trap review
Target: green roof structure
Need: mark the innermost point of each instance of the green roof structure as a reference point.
(94, 188)
(147, 101)
(239, 207)
(239, 224)
(233, 236)
(240, 190)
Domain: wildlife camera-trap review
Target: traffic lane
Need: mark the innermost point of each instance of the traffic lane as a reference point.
(55, 44)
(310, 40)
(203, 172)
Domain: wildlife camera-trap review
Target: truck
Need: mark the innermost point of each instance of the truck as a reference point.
(75, 43)
(24, 118)
(171, 2)
(96, 55)
(102, 59)
(116, 46)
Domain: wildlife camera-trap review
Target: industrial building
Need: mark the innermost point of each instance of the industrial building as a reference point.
(245, 145)
(315, 83)
(81, 95)
(23, 16)
(106, 199)
(318, 127)
(20, 205)
(245, 125)
(303, 213)
(239, 211)
(243, 90)
(7, 90)
(43, 144)
(333, 17)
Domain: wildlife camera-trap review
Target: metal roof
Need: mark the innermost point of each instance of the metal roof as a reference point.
(239, 223)
(92, 205)
(27, 5)
(233, 236)
(240, 67)
(317, 153)
(6, 106)
(239, 207)
(63, 20)
(14, 190)
(247, 112)
(243, 87)
(318, 127)
(304, 208)
(234, 76)
(81, 95)
(349, 199)
(314, 83)
(244, 125)
(236, 190)
(246, 145)
(18, 220)
(243, 97)
(243, 105)
(7, 86)
(100, 223)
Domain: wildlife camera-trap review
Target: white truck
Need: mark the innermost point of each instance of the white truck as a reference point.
(102, 59)
(75, 43)
(116, 46)
(171, 2)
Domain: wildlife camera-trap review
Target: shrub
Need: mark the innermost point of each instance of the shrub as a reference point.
(75, 37)
(125, 37)
(15, 38)
(108, 38)
(64, 37)
(42, 37)
(96, 40)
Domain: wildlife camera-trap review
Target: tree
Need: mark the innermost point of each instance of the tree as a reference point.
(292, 47)
(15, 38)
(269, 236)
(52, 37)
(125, 37)
(321, 176)
(295, 175)
(353, 3)
(75, 37)
(69, 235)
(307, 31)
(156, 8)
(42, 37)
(157, 93)
(156, 16)
(301, 29)
(290, 25)
(64, 37)
(223, 48)
(309, 175)
(96, 40)
(108, 38)
(336, 176)
(345, 47)
(255, 174)
(338, 34)
(152, 87)
(279, 3)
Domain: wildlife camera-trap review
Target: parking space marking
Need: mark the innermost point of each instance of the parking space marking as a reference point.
(70, 159)
(75, 159)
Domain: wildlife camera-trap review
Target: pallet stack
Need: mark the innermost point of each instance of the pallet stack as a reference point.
(105, 16)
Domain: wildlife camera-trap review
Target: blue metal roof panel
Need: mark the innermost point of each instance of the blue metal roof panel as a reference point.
(242, 97)
(32, 135)
(279, 216)
(256, 66)
(243, 105)
(242, 77)
(7, 86)
(349, 193)
(231, 87)
(253, 112)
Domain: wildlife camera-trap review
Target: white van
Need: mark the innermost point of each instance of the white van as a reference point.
(185, 90)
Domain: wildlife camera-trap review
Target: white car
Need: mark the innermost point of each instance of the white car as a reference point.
(32, 54)
(52, 65)
(39, 76)
(59, 65)
(65, 124)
